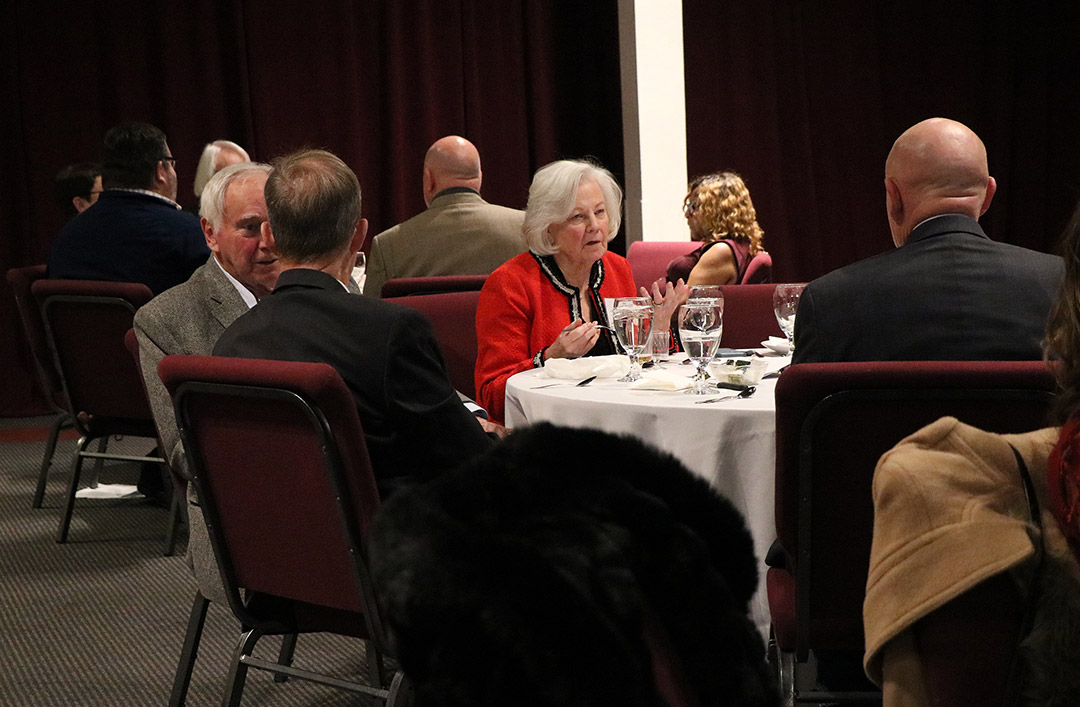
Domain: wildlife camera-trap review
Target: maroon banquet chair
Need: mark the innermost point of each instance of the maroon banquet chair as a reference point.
(21, 280)
(85, 324)
(758, 270)
(833, 423)
(748, 316)
(404, 286)
(282, 472)
(453, 315)
(649, 259)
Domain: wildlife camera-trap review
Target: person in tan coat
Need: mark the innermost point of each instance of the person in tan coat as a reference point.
(458, 234)
(965, 520)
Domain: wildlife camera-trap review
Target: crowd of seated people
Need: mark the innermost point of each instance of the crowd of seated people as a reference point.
(265, 272)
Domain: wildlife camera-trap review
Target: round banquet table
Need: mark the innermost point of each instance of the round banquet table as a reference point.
(731, 444)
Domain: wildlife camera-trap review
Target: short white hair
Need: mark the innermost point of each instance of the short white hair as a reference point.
(552, 197)
(212, 202)
(208, 162)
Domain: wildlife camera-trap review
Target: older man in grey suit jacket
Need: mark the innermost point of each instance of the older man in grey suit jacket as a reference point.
(189, 318)
(458, 234)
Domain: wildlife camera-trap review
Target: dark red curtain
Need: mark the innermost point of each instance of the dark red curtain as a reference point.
(528, 81)
(805, 98)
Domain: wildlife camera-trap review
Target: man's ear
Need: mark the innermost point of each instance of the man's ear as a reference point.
(80, 204)
(991, 188)
(209, 235)
(161, 174)
(894, 202)
(359, 235)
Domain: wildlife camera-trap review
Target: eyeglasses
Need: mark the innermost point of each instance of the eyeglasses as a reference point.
(169, 159)
(691, 207)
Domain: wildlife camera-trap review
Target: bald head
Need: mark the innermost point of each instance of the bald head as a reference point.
(935, 167)
(451, 162)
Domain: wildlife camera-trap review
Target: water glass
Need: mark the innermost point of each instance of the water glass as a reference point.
(785, 304)
(631, 317)
(700, 326)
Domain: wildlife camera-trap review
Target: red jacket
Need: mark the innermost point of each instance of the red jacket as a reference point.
(522, 311)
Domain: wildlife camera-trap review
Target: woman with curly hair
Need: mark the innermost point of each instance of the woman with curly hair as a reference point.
(719, 210)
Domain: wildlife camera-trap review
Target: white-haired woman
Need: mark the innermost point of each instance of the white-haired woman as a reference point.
(547, 302)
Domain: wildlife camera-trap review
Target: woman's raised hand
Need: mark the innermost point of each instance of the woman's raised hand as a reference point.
(666, 301)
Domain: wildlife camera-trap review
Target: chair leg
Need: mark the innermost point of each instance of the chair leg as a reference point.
(99, 463)
(285, 655)
(189, 652)
(376, 665)
(234, 685)
(61, 422)
(69, 505)
(401, 692)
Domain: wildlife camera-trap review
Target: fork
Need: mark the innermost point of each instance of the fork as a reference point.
(579, 384)
(741, 394)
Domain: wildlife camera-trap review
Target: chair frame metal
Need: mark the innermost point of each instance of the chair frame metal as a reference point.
(394, 690)
(135, 427)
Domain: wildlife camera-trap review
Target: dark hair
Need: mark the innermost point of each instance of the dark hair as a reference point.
(75, 180)
(130, 155)
(1063, 325)
(559, 568)
(313, 203)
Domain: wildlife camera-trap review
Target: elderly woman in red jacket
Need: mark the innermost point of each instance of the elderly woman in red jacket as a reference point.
(546, 303)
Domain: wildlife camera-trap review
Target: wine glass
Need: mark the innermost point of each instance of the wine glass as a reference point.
(701, 324)
(631, 318)
(785, 304)
(359, 270)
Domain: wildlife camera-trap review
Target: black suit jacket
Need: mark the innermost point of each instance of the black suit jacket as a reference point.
(950, 293)
(414, 423)
(130, 237)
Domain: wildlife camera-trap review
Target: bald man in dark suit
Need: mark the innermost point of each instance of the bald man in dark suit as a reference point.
(947, 292)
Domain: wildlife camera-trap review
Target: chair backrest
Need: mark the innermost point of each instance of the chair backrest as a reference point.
(85, 322)
(21, 280)
(281, 468)
(404, 286)
(454, 316)
(833, 423)
(758, 270)
(748, 315)
(649, 259)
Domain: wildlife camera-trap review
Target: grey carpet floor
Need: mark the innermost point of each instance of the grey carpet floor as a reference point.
(100, 620)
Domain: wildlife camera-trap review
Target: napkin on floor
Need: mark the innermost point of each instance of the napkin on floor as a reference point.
(662, 380)
(578, 368)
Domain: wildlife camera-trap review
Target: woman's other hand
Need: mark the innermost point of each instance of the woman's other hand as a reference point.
(667, 301)
(576, 340)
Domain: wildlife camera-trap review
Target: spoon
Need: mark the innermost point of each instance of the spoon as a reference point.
(741, 394)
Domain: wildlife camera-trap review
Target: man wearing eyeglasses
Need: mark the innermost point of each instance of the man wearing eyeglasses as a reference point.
(136, 231)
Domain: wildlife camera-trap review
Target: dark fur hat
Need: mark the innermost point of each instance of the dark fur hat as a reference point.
(570, 567)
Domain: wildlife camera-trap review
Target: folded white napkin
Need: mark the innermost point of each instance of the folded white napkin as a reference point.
(661, 380)
(578, 368)
(777, 344)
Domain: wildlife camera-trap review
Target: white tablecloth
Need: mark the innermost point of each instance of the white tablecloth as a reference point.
(732, 443)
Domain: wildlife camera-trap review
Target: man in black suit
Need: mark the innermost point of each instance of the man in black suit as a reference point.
(136, 231)
(414, 423)
(947, 292)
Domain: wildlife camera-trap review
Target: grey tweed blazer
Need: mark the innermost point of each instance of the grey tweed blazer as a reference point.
(186, 319)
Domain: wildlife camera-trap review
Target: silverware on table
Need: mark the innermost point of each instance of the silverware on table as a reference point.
(579, 384)
(741, 394)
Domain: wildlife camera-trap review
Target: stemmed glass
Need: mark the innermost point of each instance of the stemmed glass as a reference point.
(701, 324)
(785, 304)
(632, 318)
